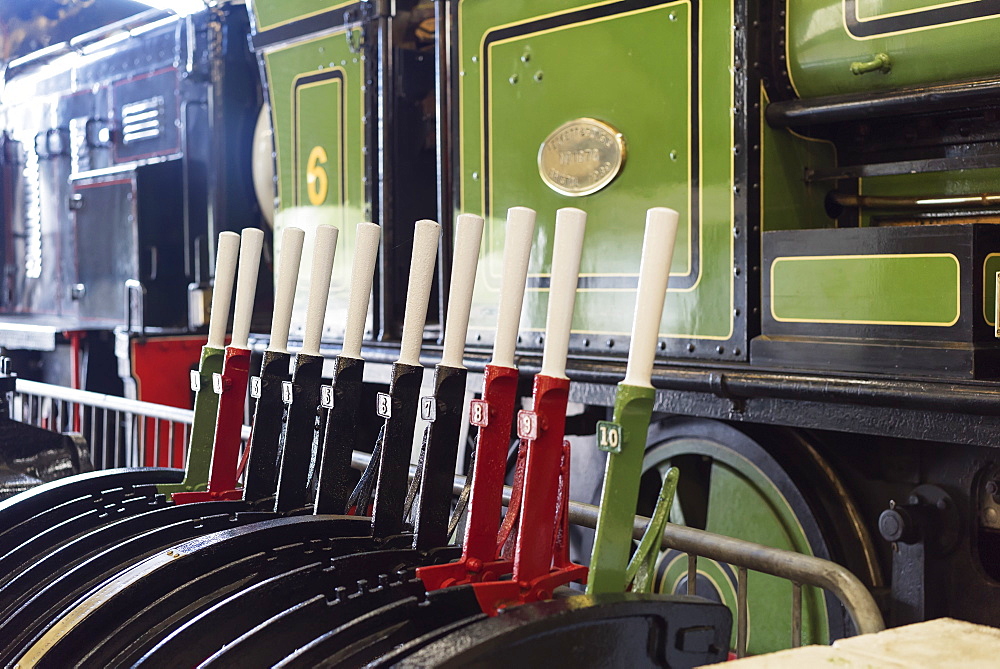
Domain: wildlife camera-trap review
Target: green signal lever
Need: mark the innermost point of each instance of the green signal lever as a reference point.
(206, 402)
(624, 437)
(231, 384)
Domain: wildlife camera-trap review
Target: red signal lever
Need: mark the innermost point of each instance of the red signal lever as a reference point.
(541, 560)
(231, 384)
(493, 415)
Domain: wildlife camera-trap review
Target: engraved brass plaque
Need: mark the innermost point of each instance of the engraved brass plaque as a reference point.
(581, 157)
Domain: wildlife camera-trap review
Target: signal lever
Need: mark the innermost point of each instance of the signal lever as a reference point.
(206, 401)
(399, 406)
(231, 383)
(443, 410)
(541, 557)
(341, 399)
(624, 437)
(493, 415)
(269, 414)
(301, 394)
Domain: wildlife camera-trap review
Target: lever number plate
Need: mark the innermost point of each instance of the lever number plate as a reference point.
(479, 413)
(527, 424)
(326, 397)
(428, 409)
(609, 436)
(383, 405)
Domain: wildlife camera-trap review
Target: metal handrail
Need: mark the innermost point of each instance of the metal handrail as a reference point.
(112, 403)
(798, 568)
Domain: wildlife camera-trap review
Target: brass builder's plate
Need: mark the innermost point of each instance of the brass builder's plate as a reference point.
(581, 157)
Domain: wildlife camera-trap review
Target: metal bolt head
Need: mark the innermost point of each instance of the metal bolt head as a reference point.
(891, 525)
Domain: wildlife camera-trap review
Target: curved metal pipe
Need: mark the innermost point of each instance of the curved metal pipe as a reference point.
(796, 567)
(859, 106)
(917, 202)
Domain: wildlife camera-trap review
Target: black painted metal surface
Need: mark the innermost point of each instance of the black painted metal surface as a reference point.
(437, 477)
(379, 627)
(339, 437)
(625, 630)
(268, 420)
(299, 434)
(170, 586)
(45, 590)
(394, 464)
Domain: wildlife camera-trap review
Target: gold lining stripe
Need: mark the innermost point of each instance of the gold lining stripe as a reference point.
(732, 159)
(489, 75)
(270, 80)
(341, 131)
(988, 313)
(908, 31)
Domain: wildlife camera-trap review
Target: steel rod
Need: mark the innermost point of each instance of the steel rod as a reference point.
(857, 106)
(796, 567)
(917, 202)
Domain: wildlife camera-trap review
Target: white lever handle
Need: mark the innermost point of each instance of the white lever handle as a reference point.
(418, 291)
(251, 242)
(566, 251)
(284, 294)
(518, 236)
(654, 273)
(226, 257)
(468, 239)
(324, 249)
(362, 274)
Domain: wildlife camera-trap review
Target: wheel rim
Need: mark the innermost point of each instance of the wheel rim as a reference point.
(731, 485)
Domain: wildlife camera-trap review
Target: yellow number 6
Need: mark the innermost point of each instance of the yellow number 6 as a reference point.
(316, 181)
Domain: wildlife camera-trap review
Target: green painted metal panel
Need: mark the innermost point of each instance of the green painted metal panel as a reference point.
(787, 201)
(270, 14)
(910, 289)
(527, 67)
(927, 41)
(317, 110)
(202, 435)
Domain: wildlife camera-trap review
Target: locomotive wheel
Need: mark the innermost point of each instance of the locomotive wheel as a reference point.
(785, 496)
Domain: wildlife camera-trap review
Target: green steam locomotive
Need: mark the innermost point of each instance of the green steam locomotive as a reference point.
(827, 360)
(828, 343)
